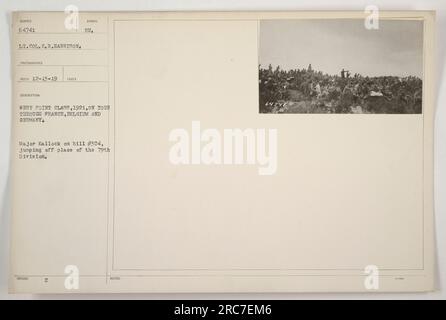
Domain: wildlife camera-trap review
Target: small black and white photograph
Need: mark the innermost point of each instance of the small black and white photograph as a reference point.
(340, 66)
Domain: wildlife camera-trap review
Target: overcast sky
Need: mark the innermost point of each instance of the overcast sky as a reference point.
(329, 45)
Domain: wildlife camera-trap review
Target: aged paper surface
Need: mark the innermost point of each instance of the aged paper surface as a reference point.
(110, 196)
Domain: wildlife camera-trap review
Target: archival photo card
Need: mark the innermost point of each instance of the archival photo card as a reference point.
(340, 66)
(140, 161)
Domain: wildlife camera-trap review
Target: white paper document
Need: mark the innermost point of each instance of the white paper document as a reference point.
(222, 152)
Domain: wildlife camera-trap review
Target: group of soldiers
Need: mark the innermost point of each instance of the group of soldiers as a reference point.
(341, 93)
